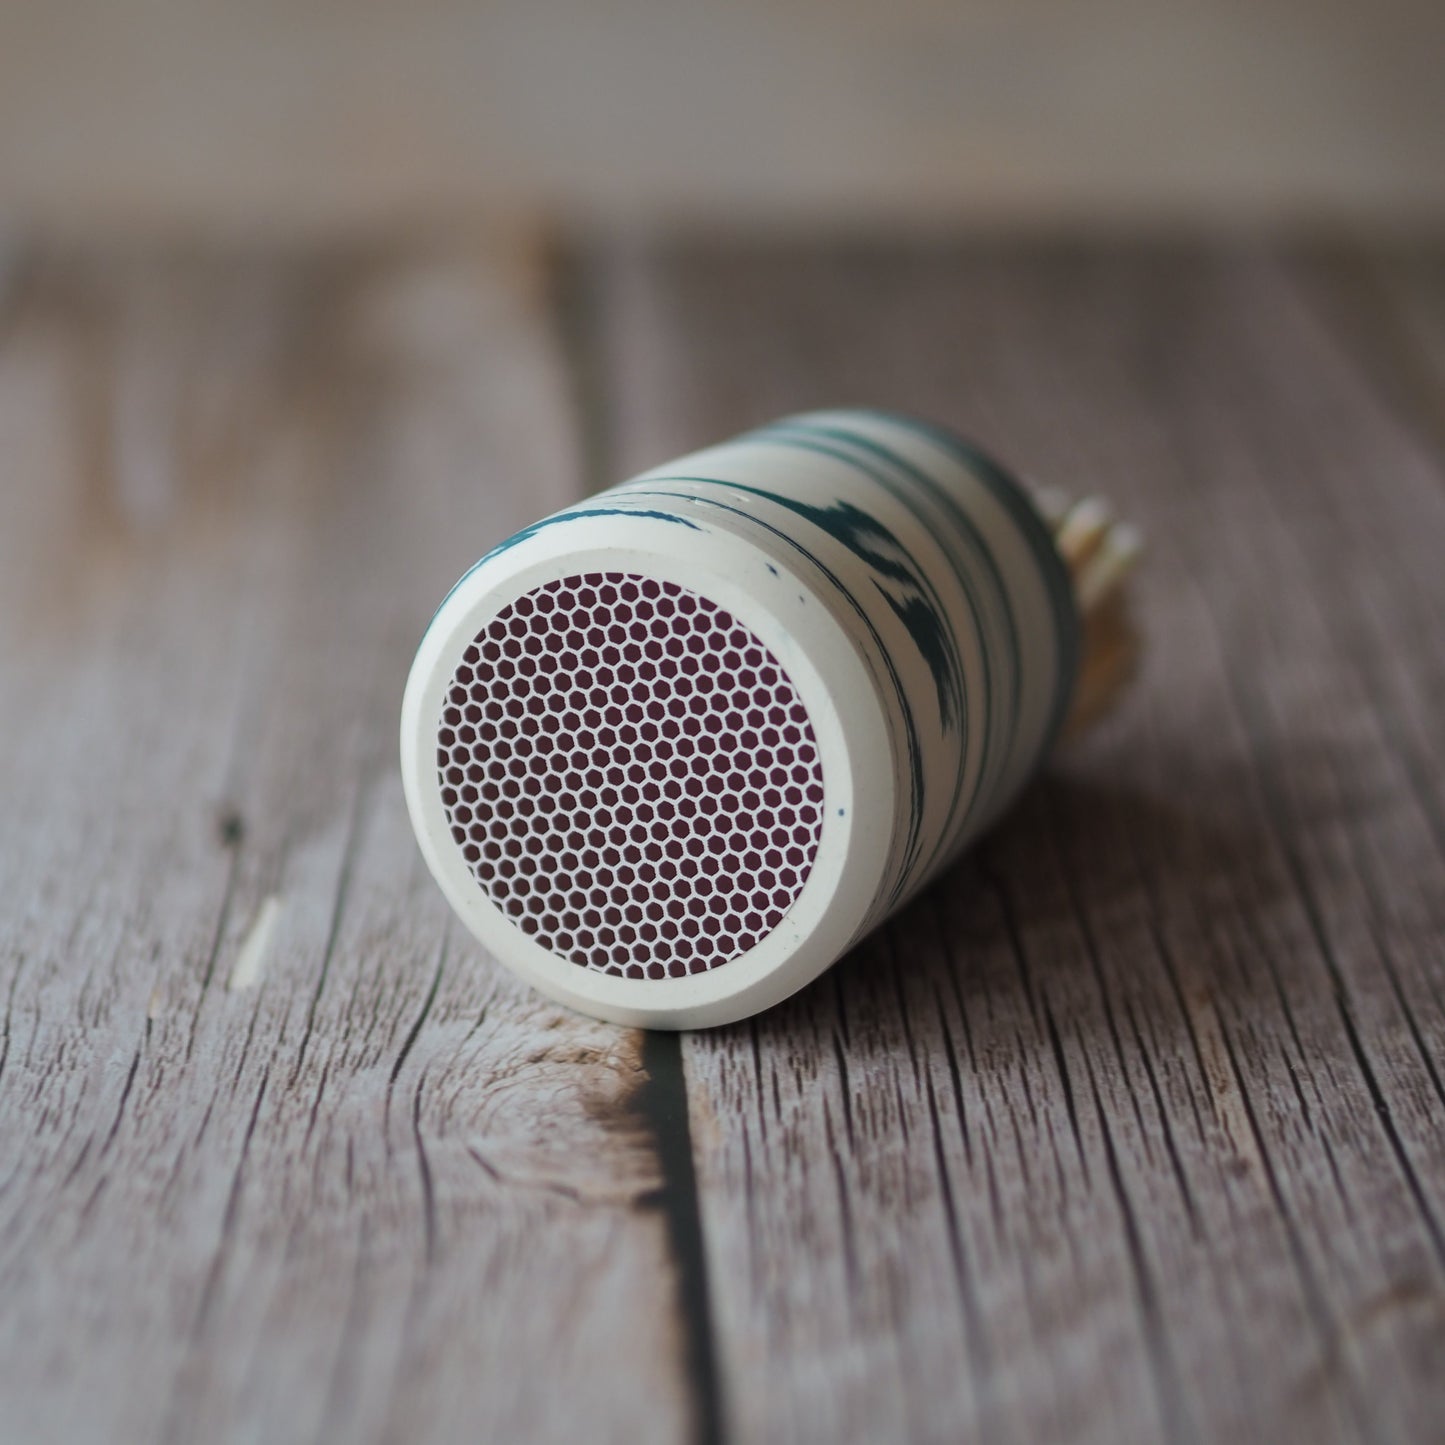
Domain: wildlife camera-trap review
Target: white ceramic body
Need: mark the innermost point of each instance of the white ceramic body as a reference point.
(909, 590)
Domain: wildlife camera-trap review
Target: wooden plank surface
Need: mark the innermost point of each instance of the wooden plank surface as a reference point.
(284, 1158)
(1133, 1126)
(1388, 301)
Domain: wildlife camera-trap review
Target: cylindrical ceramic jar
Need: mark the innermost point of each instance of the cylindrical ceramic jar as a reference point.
(671, 751)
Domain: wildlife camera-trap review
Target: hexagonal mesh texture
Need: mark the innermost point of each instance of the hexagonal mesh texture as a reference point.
(630, 775)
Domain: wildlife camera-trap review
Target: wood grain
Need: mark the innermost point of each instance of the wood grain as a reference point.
(1132, 1127)
(282, 1156)
(1387, 303)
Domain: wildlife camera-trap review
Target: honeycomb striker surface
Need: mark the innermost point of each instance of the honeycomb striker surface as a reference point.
(630, 775)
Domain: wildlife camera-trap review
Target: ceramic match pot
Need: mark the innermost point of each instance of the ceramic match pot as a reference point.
(671, 751)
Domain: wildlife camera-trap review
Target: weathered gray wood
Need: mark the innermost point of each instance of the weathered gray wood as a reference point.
(282, 1155)
(1387, 301)
(1134, 1126)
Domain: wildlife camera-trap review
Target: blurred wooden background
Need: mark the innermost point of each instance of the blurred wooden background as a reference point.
(325, 115)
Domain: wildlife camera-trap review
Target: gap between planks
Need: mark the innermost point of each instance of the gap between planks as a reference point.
(284, 1156)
